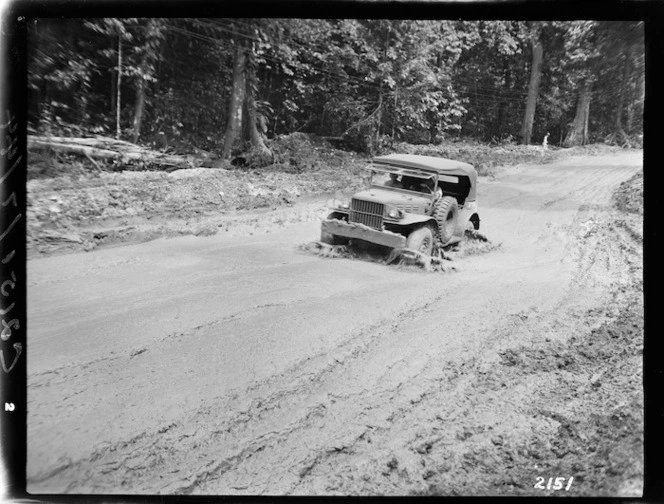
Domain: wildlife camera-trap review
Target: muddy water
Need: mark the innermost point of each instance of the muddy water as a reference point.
(235, 363)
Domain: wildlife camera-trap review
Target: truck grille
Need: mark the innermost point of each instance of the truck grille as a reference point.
(367, 213)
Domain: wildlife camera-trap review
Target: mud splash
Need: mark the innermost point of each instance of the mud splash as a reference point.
(405, 259)
(474, 243)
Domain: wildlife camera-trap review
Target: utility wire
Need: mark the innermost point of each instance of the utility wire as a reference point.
(217, 26)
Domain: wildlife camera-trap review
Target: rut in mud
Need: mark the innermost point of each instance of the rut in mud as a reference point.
(241, 365)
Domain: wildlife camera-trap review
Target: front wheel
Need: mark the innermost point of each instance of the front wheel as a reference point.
(421, 240)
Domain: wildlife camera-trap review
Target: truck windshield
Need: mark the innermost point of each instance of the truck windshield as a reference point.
(394, 180)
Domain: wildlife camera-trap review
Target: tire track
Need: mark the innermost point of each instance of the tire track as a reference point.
(291, 385)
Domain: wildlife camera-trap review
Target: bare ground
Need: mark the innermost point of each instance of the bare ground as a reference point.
(235, 363)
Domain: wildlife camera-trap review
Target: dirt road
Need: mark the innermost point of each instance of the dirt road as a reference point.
(235, 364)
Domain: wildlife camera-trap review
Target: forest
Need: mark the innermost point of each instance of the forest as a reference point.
(229, 86)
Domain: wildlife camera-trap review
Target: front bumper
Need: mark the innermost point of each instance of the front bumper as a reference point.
(361, 232)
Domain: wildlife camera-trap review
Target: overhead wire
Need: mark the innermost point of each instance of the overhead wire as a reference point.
(225, 29)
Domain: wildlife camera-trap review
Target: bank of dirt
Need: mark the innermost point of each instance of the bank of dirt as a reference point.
(294, 374)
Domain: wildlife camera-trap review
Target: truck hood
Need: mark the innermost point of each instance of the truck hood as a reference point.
(409, 202)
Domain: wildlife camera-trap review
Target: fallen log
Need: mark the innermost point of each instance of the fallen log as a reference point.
(109, 149)
(96, 141)
(72, 148)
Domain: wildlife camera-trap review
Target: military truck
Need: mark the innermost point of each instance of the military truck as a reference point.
(422, 203)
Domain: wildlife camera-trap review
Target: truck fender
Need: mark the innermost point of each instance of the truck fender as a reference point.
(414, 219)
(338, 215)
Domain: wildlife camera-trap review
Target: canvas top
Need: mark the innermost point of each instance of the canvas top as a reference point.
(439, 165)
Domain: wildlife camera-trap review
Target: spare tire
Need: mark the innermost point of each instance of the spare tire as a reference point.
(446, 214)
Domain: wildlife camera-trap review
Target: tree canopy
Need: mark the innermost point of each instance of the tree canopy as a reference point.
(226, 85)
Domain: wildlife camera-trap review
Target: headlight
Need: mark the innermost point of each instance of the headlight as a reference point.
(394, 213)
(338, 204)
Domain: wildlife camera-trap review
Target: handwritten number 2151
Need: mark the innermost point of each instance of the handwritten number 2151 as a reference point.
(553, 483)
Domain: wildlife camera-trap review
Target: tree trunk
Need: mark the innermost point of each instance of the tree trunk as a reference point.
(578, 134)
(375, 140)
(152, 47)
(633, 93)
(533, 91)
(118, 99)
(113, 90)
(394, 115)
(636, 108)
(139, 105)
(503, 105)
(262, 156)
(234, 124)
(618, 131)
(586, 116)
(255, 136)
(256, 123)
